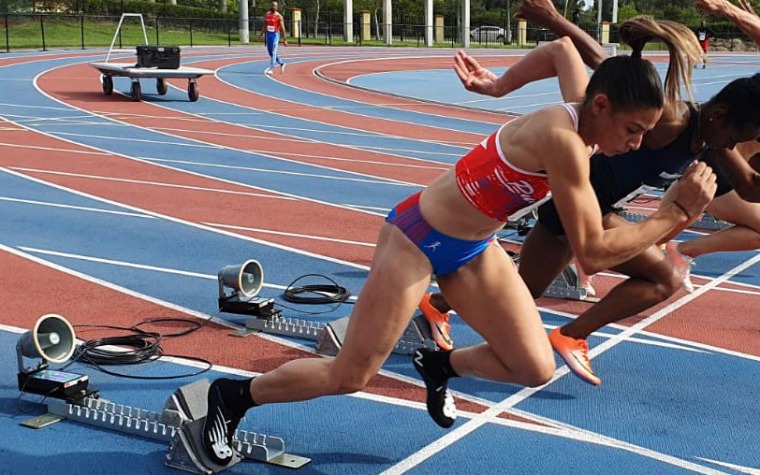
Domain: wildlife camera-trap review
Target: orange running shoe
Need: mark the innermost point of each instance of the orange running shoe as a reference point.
(575, 353)
(682, 263)
(439, 324)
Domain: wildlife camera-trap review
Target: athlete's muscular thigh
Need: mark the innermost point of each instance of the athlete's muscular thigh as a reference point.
(399, 277)
(491, 297)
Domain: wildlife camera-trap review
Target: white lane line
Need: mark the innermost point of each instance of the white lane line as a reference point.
(282, 233)
(463, 430)
(375, 181)
(51, 149)
(78, 208)
(153, 183)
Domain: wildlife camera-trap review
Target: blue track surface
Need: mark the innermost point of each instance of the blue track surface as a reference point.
(428, 84)
(669, 405)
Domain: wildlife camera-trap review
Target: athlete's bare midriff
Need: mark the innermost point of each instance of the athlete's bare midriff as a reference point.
(448, 211)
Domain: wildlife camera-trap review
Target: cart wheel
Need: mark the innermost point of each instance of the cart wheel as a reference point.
(136, 91)
(107, 84)
(161, 86)
(192, 91)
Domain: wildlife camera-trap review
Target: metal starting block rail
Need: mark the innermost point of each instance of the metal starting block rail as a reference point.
(707, 221)
(329, 336)
(285, 326)
(417, 334)
(180, 423)
(567, 286)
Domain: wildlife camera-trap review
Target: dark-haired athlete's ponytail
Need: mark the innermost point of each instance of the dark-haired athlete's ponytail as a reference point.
(630, 83)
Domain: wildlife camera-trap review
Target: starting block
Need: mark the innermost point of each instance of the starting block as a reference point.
(285, 326)
(180, 423)
(707, 221)
(417, 334)
(567, 286)
(188, 407)
(329, 336)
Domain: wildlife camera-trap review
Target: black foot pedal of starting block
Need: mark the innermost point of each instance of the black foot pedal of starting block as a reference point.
(187, 406)
(187, 403)
(186, 451)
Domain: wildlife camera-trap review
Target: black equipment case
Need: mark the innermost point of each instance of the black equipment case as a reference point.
(162, 57)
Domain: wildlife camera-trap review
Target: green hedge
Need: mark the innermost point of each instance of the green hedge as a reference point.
(162, 8)
(117, 7)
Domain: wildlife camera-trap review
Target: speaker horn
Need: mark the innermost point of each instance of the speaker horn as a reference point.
(246, 279)
(52, 339)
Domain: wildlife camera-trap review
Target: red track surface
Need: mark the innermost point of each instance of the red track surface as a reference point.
(104, 306)
(208, 206)
(341, 72)
(106, 177)
(67, 83)
(267, 210)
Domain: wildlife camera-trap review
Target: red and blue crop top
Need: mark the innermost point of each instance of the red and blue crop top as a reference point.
(497, 188)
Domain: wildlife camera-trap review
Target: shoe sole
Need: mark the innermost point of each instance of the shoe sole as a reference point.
(210, 450)
(439, 339)
(435, 330)
(420, 371)
(681, 265)
(577, 368)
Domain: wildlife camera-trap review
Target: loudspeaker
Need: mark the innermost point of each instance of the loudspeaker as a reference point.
(52, 339)
(246, 279)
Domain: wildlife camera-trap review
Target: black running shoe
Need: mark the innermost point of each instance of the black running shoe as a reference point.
(221, 424)
(440, 402)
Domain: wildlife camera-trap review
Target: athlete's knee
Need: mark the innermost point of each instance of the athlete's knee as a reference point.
(351, 381)
(537, 372)
(665, 288)
(351, 385)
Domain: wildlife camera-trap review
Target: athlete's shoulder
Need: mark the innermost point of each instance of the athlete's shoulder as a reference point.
(548, 132)
(555, 123)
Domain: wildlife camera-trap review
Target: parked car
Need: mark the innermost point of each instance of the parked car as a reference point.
(488, 34)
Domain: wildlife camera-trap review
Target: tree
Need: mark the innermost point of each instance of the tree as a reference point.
(626, 12)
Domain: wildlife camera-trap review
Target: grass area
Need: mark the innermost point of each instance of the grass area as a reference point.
(70, 32)
(49, 32)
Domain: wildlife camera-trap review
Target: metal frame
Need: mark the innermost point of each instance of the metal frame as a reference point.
(118, 28)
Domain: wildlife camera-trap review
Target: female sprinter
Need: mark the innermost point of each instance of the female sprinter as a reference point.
(448, 230)
(685, 132)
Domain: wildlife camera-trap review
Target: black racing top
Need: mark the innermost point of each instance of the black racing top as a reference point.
(623, 177)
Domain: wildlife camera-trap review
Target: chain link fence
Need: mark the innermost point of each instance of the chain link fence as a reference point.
(92, 23)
